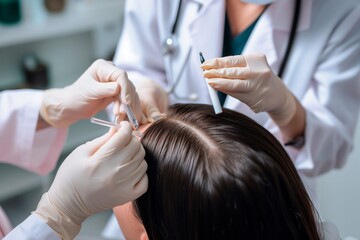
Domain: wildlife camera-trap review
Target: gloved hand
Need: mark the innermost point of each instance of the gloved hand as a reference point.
(128, 95)
(97, 176)
(98, 86)
(154, 100)
(250, 79)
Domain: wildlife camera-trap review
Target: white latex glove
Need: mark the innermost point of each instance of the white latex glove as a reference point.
(250, 79)
(154, 100)
(98, 86)
(97, 176)
(128, 95)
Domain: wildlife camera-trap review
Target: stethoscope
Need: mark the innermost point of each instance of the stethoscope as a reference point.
(169, 47)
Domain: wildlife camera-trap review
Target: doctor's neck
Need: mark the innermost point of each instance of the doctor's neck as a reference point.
(242, 14)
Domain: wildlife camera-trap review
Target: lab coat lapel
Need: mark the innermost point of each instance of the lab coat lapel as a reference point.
(206, 30)
(274, 26)
(178, 59)
(197, 32)
(262, 39)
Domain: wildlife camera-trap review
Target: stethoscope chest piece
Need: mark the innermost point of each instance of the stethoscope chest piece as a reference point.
(168, 46)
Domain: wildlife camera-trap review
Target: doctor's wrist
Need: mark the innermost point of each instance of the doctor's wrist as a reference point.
(293, 132)
(283, 115)
(56, 109)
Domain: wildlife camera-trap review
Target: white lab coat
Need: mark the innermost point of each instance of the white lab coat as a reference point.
(323, 71)
(20, 144)
(32, 228)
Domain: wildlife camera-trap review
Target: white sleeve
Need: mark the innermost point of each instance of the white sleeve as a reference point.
(20, 143)
(332, 101)
(139, 48)
(32, 228)
(329, 231)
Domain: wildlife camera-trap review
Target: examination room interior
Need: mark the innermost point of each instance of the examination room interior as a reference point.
(50, 44)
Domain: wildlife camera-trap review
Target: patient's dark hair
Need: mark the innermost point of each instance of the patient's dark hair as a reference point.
(220, 177)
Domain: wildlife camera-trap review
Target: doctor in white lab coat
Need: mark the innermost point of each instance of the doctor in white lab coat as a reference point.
(33, 131)
(322, 72)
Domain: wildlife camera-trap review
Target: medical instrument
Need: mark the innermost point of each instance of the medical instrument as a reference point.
(131, 117)
(105, 123)
(213, 94)
(169, 47)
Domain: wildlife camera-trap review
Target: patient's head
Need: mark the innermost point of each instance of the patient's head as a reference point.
(220, 177)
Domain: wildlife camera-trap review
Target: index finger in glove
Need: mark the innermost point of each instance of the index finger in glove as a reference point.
(118, 141)
(231, 73)
(128, 92)
(151, 111)
(229, 86)
(94, 145)
(224, 62)
(105, 71)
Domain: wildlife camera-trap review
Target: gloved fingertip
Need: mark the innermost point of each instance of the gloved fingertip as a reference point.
(161, 115)
(125, 125)
(210, 63)
(211, 73)
(154, 116)
(96, 143)
(116, 107)
(213, 85)
(120, 117)
(205, 66)
(206, 74)
(107, 89)
(113, 87)
(143, 119)
(112, 130)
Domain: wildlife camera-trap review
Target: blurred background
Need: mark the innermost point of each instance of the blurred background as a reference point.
(49, 43)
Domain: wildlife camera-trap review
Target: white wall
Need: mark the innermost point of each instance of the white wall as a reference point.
(339, 194)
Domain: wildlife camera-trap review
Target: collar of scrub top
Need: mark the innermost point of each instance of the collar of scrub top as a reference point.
(294, 25)
(278, 22)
